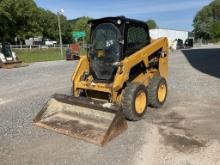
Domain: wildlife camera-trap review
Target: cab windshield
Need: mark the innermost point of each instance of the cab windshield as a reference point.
(6, 50)
(105, 51)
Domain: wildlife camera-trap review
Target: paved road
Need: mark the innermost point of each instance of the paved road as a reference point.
(184, 131)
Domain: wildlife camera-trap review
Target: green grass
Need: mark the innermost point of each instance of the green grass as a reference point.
(39, 55)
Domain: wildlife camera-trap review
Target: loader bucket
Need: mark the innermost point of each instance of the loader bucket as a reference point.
(82, 118)
(12, 64)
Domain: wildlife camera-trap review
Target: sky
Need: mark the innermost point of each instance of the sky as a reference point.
(171, 14)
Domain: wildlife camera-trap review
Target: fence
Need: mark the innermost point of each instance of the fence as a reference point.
(37, 46)
(39, 53)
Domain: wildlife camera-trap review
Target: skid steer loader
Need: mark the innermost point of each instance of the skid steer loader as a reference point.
(123, 73)
(8, 58)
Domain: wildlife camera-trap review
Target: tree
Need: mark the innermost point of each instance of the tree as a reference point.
(151, 24)
(17, 19)
(215, 31)
(49, 23)
(81, 24)
(207, 22)
(23, 19)
(66, 30)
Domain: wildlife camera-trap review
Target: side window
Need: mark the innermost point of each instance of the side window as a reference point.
(136, 39)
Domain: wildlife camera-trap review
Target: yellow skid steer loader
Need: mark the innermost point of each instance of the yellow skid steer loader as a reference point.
(123, 73)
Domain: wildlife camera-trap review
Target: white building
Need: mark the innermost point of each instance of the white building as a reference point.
(170, 34)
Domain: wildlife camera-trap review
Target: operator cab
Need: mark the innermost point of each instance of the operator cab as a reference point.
(112, 39)
(5, 49)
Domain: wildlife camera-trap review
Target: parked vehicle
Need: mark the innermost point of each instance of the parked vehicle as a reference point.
(8, 59)
(188, 43)
(72, 53)
(49, 42)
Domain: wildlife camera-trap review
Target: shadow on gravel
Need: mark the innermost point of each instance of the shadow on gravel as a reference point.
(204, 60)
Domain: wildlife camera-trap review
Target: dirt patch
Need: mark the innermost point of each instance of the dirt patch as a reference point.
(176, 132)
(182, 143)
(172, 120)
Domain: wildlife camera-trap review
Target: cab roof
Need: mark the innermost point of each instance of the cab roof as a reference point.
(115, 19)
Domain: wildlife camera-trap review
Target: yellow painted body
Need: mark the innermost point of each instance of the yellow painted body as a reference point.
(115, 89)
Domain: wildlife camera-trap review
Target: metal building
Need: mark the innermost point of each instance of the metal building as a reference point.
(174, 36)
(170, 34)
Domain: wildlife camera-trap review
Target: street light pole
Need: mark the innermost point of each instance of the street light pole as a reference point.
(60, 32)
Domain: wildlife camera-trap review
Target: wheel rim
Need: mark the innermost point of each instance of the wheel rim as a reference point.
(162, 91)
(140, 102)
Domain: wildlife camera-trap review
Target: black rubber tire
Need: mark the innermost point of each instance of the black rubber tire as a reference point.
(153, 88)
(128, 101)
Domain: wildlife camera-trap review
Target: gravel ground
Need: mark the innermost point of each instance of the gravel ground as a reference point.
(185, 131)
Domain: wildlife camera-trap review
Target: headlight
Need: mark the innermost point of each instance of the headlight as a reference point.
(119, 22)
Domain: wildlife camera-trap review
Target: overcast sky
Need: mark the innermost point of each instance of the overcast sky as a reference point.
(173, 14)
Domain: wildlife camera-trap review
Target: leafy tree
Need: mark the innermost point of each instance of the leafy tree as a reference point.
(66, 30)
(151, 24)
(215, 31)
(23, 19)
(207, 22)
(80, 24)
(49, 23)
(17, 19)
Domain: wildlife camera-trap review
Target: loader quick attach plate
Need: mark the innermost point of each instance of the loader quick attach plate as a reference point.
(82, 118)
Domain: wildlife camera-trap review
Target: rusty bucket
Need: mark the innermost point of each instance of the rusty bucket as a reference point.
(82, 118)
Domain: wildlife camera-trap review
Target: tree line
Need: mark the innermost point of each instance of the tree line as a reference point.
(22, 19)
(207, 22)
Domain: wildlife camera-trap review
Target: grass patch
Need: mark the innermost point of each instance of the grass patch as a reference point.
(39, 55)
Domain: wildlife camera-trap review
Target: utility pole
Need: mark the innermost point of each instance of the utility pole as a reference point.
(60, 31)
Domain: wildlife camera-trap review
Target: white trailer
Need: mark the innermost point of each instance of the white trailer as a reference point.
(34, 41)
(171, 34)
